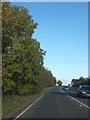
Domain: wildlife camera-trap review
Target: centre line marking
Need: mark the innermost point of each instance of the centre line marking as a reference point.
(80, 105)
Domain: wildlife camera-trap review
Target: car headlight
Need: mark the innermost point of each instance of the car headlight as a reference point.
(83, 92)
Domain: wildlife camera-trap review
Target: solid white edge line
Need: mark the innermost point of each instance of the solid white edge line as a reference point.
(28, 107)
(79, 102)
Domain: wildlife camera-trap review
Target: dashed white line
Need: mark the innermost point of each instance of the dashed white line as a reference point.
(80, 105)
(28, 107)
(79, 102)
(72, 98)
(62, 91)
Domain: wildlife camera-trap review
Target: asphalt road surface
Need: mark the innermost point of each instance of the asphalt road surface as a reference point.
(0, 102)
(58, 104)
(0, 91)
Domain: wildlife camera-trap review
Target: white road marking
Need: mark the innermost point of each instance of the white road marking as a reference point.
(62, 91)
(79, 102)
(76, 100)
(39, 98)
(80, 105)
(28, 107)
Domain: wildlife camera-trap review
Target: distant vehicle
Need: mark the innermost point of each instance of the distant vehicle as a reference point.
(65, 87)
(83, 91)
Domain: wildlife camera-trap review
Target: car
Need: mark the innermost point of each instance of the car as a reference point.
(83, 91)
(65, 87)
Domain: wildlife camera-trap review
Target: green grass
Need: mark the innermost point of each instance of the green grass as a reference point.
(0, 82)
(13, 105)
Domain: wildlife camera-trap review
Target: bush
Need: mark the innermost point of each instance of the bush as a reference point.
(24, 89)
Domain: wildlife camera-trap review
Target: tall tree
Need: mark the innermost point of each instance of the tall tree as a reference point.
(23, 58)
(14, 25)
(21, 53)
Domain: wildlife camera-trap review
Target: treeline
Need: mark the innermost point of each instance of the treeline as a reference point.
(75, 83)
(22, 57)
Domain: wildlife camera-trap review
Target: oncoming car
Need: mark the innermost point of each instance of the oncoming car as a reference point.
(65, 87)
(83, 91)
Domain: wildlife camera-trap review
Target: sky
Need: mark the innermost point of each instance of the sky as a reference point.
(47, 0)
(63, 33)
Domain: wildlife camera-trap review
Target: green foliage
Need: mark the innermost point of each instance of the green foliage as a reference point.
(8, 85)
(81, 81)
(59, 83)
(24, 89)
(14, 25)
(22, 67)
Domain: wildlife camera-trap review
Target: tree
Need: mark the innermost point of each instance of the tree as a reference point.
(77, 82)
(59, 83)
(22, 54)
(14, 25)
(23, 58)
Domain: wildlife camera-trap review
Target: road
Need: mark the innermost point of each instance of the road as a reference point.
(0, 91)
(0, 101)
(58, 104)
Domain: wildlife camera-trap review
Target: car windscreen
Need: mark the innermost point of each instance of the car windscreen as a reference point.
(85, 88)
(65, 86)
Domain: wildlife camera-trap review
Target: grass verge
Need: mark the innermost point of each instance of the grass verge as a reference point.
(13, 105)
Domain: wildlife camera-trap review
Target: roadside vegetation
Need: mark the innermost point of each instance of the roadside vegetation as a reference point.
(14, 105)
(24, 74)
(22, 67)
(77, 82)
(59, 82)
